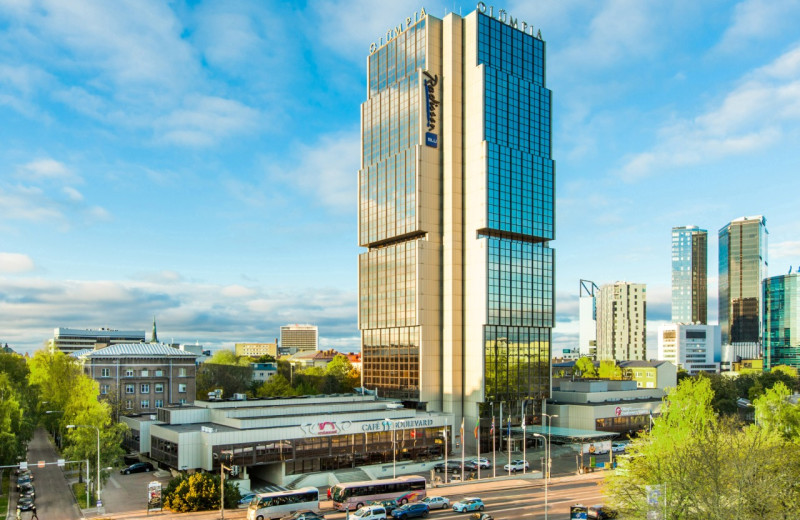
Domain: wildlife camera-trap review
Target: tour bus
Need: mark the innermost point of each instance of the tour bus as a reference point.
(354, 495)
(267, 506)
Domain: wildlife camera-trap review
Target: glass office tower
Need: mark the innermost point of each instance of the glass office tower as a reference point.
(782, 321)
(689, 275)
(742, 267)
(456, 191)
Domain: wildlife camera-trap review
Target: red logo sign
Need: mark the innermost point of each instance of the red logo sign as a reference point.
(618, 411)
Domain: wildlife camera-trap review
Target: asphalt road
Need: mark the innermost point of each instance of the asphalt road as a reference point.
(53, 496)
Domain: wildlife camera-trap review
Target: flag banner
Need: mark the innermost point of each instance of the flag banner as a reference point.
(492, 429)
(477, 427)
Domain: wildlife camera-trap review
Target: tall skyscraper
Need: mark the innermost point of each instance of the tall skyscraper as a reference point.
(782, 321)
(742, 268)
(689, 275)
(456, 212)
(587, 318)
(621, 322)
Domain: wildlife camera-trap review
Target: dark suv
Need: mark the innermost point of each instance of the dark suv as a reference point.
(454, 466)
(139, 467)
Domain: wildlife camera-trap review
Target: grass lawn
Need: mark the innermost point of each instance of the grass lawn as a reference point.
(5, 476)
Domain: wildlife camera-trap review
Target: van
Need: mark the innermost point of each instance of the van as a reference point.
(370, 513)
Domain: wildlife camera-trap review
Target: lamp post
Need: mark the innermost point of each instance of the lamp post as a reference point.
(222, 468)
(394, 450)
(524, 439)
(549, 426)
(71, 426)
(444, 434)
(494, 455)
(546, 456)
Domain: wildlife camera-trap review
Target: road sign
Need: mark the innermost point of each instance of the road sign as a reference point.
(41, 464)
(60, 463)
(23, 465)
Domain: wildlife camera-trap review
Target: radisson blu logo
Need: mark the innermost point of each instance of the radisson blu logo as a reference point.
(431, 139)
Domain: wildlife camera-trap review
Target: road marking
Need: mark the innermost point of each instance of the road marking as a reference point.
(114, 481)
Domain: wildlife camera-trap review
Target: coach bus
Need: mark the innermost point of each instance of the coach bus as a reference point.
(354, 495)
(267, 506)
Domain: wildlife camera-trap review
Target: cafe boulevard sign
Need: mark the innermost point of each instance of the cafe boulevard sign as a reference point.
(396, 425)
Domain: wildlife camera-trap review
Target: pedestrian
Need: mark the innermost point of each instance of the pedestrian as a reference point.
(34, 515)
(18, 512)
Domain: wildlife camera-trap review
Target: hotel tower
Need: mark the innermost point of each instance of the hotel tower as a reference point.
(456, 214)
(689, 275)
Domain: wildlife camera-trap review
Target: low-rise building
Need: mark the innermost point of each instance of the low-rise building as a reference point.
(315, 358)
(73, 340)
(257, 350)
(142, 377)
(262, 372)
(287, 440)
(693, 347)
(650, 374)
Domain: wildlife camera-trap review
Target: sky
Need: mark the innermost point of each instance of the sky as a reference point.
(197, 161)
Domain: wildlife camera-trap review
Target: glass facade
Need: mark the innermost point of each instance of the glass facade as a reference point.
(689, 275)
(742, 267)
(782, 321)
(520, 221)
(388, 222)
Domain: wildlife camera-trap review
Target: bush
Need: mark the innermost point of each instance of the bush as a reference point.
(198, 492)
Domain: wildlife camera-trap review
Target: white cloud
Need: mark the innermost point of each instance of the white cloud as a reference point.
(237, 291)
(758, 20)
(72, 194)
(788, 249)
(15, 263)
(45, 169)
(205, 120)
(753, 116)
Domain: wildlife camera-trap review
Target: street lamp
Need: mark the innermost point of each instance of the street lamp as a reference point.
(549, 426)
(71, 426)
(394, 450)
(546, 456)
(222, 468)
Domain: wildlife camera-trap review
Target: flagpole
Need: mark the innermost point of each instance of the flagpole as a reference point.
(524, 439)
(494, 454)
(478, 439)
(508, 434)
(462, 448)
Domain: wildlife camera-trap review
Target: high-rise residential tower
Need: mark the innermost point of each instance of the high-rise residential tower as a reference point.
(742, 268)
(781, 338)
(689, 275)
(587, 318)
(621, 322)
(456, 213)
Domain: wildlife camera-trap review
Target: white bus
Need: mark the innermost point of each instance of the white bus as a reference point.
(354, 495)
(267, 506)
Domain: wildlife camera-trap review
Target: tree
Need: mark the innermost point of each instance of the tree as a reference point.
(276, 386)
(198, 492)
(775, 413)
(232, 379)
(609, 370)
(585, 368)
(343, 372)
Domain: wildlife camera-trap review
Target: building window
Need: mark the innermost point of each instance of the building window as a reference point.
(103, 389)
(145, 403)
(159, 373)
(130, 389)
(183, 401)
(181, 372)
(145, 373)
(159, 403)
(128, 372)
(159, 388)
(144, 388)
(129, 405)
(105, 372)
(182, 388)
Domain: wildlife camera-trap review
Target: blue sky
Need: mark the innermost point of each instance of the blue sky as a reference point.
(197, 161)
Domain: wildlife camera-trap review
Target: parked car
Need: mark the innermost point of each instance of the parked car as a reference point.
(619, 446)
(414, 510)
(468, 504)
(516, 465)
(25, 504)
(246, 499)
(304, 515)
(25, 479)
(437, 502)
(389, 505)
(601, 512)
(454, 466)
(370, 513)
(482, 516)
(139, 467)
(481, 462)
(27, 490)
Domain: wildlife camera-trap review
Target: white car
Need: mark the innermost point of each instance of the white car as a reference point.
(618, 446)
(482, 462)
(437, 502)
(516, 465)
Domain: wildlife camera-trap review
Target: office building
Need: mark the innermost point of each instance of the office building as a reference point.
(140, 377)
(693, 347)
(73, 340)
(621, 322)
(298, 338)
(456, 214)
(689, 275)
(587, 319)
(742, 268)
(782, 321)
(257, 349)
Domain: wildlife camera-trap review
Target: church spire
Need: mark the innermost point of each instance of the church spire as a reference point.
(155, 336)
